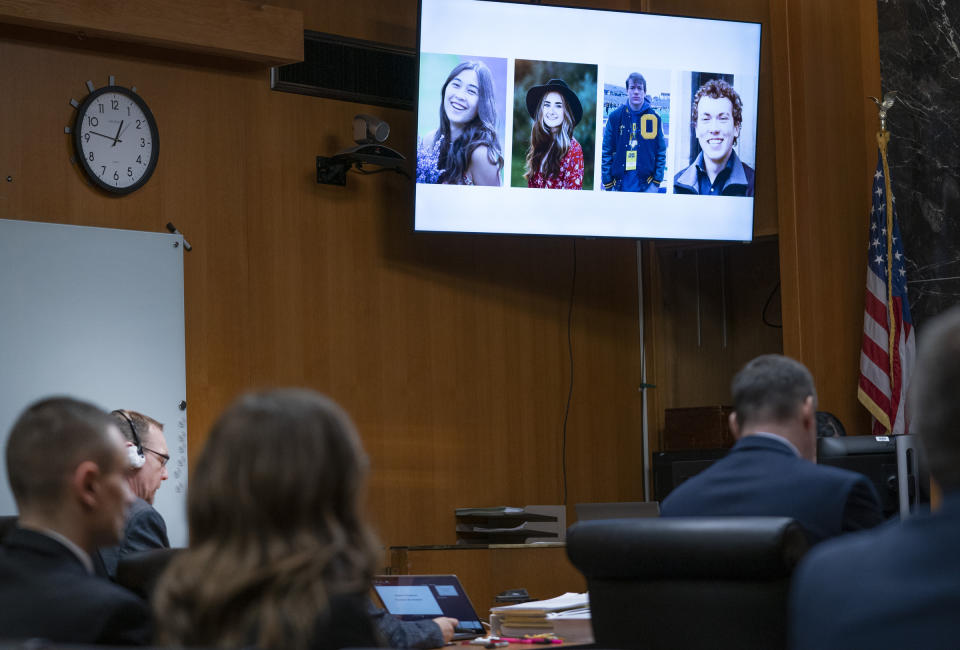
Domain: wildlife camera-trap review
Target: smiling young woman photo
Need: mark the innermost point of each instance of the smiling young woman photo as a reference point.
(465, 148)
(554, 158)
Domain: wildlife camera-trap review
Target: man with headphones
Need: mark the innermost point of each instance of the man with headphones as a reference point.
(67, 467)
(148, 455)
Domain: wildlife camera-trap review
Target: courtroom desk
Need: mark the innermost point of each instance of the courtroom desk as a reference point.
(485, 571)
(465, 645)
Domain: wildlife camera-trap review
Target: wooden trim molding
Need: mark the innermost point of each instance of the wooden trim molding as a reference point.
(250, 31)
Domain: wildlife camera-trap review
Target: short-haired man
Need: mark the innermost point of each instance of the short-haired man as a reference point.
(897, 586)
(772, 470)
(634, 151)
(145, 528)
(717, 115)
(67, 466)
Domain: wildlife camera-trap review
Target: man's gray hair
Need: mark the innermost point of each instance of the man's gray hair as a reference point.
(933, 404)
(134, 426)
(772, 387)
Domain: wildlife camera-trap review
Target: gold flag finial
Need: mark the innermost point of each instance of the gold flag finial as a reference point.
(884, 106)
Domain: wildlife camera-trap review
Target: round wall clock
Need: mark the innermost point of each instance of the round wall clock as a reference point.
(116, 139)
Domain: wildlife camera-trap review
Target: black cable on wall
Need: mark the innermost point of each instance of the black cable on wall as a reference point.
(566, 411)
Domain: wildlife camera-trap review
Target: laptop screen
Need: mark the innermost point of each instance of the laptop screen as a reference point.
(411, 598)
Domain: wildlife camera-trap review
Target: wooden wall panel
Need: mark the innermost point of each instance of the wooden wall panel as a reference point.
(230, 28)
(826, 154)
(395, 21)
(707, 304)
(450, 351)
(386, 21)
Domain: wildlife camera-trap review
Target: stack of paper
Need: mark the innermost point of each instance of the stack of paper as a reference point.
(536, 617)
(572, 625)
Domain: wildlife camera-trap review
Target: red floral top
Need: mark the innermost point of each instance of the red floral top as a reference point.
(571, 172)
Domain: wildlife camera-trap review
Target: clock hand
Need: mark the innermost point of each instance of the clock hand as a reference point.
(116, 138)
(101, 135)
(125, 130)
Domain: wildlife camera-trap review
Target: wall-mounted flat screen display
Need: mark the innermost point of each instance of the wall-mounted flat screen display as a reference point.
(535, 119)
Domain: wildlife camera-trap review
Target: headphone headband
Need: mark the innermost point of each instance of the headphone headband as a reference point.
(137, 459)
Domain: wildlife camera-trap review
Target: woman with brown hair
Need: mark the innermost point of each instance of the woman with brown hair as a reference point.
(554, 157)
(280, 555)
(464, 149)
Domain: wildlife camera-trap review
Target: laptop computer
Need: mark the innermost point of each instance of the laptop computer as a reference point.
(414, 598)
(617, 510)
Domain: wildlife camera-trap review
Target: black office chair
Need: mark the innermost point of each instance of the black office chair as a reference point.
(697, 582)
(139, 572)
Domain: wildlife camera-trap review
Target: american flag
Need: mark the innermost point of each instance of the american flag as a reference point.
(889, 348)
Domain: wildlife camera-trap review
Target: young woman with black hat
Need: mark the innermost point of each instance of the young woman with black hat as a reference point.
(554, 157)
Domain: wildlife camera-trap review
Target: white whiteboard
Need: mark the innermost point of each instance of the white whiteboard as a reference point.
(96, 314)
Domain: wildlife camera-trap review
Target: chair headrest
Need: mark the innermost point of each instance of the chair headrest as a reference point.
(140, 571)
(687, 547)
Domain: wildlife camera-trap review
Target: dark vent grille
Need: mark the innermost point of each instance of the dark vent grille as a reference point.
(351, 70)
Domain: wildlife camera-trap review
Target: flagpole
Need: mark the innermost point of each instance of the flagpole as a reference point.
(883, 138)
(883, 417)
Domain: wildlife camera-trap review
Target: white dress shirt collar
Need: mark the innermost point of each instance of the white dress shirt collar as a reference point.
(773, 436)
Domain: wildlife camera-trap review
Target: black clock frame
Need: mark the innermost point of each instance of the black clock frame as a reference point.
(154, 139)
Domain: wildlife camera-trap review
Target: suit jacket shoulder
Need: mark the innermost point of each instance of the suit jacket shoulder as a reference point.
(45, 592)
(145, 530)
(764, 477)
(892, 587)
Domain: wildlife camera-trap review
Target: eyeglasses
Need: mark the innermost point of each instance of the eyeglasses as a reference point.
(164, 458)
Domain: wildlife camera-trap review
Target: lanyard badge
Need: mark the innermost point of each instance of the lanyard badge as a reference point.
(632, 153)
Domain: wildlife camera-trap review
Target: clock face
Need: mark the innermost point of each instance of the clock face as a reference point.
(116, 139)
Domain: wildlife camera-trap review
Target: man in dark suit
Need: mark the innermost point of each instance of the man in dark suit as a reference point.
(145, 528)
(898, 586)
(772, 470)
(67, 466)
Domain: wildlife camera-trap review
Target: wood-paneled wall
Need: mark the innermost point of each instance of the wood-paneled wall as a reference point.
(711, 309)
(450, 351)
(828, 56)
(241, 30)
